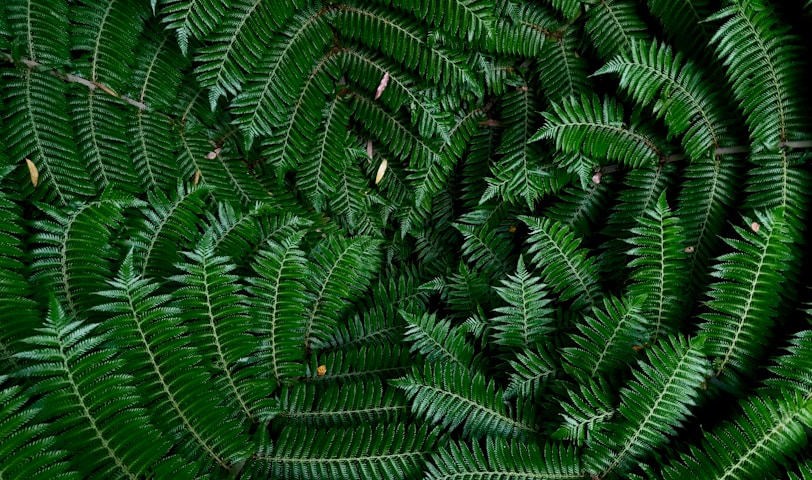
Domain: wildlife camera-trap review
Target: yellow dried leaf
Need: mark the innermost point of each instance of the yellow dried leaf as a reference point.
(32, 170)
(381, 172)
(197, 178)
(321, 370)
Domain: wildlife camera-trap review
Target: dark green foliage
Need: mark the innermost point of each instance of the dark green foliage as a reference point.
(404, 239)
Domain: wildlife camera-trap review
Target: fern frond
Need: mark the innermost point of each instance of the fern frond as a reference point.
(504, 459)
(159, 69)
(708, 192)
(470, 20)
(405, 40)
(191, 18)
(104, 31)
(41, 27)
(347, 405)
(381, 451)
(681, 96)
(378, 321)
(764, 63)
(100, 125)
(37, 128)
(450, 396)
(437, 340)
(71, 260)
(153, 145)
(606, 338)
(598, 129)
(27, 450)
(526, 318)
(381, 360)
(568, 8)
(563, 265)
(168, 226)
(19, 315)
(580, 209)
(790, 369)
(169, 374)
(532, 369)
(744, 300)
(215, 311)
(563, 71)
(587, 411)
(683, 20)
(486, 249)
(761, 442)
(643, 186)
(652, 406)
(340, 272)
(658, 269)
(280, 302)
(235, 46)
(518, 173)
(613, 24)
(280, 73)
(320, 173)
(99, 414)
(524, 29)
(779, 180)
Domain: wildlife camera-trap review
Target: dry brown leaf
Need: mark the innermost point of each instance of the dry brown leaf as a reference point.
(321, 370)
(197, 178)
(755, 227)
(382, 85)
(370, 152)
(381, 171)
(33, 171)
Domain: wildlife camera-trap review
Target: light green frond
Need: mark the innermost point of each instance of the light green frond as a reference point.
(486, 249)
(678, 92)
(215, 311)
(606, 339)
(437, 340)
(563, 265)
(450, 396)
(659, 269)
(764, 64)
(745, 298)
(532, 370)
(656, 402)
(598, 129)
(587, 411)
(173, 379)
(527, 318)
(761, 442)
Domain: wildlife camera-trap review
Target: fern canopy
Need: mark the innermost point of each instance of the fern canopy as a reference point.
(404, 239)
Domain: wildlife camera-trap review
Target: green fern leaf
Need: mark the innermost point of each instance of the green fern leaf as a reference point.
(744, 299)
(191, 18)
(99, 414)
(279, 305)
(598, 129)
(41, 27)
(448, 395)
(652, 406)
(566, 268)
(504, 459)
(658, 272)
(527, 317)
(612, 26)
(469, 19)
(438, 341)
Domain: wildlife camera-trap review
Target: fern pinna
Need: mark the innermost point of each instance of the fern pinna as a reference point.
(403, 239)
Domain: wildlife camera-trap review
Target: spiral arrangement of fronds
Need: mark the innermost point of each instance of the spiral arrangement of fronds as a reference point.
(404, 239)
